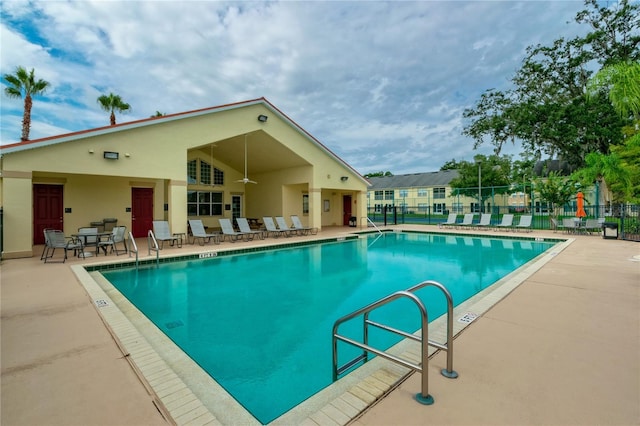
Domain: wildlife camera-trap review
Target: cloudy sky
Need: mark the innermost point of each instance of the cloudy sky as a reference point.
(381, 84)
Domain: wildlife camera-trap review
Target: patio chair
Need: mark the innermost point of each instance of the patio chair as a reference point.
(117, 236)
(243, 225)
(555, 224)
(525, 223)
(162, 234)
(56, 239)
(46, 241)
(271, 228)
(507, 222)
(230, 233)
(297, 225)
(200, 234)
(282, 225)
(485, 221)
(451, 221)
(467, 221)
(89, 237)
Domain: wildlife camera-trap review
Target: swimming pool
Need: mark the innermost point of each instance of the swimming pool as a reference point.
(244, 320)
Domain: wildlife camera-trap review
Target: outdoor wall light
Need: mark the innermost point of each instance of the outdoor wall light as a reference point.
(110, 155)
(262, 118)
(91, 151)
(344, 178)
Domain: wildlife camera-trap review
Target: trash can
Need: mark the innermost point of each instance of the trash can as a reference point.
(610, 230)
(109, 223)
(353, 221)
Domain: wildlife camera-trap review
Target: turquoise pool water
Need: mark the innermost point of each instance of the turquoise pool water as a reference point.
(260, 323)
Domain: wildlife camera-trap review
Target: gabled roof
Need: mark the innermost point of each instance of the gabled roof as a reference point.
(68, 137)
(414, 180)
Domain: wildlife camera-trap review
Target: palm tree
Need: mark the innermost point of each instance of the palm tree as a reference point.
(23, 82)
(112, 103)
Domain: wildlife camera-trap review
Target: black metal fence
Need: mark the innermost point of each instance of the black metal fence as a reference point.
(626, 216)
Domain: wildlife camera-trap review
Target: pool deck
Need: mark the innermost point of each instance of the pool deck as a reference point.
(562, 348)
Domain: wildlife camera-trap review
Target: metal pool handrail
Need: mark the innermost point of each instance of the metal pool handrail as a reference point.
(152, 243)
(374, 225)
(423, 397)
(135, 247)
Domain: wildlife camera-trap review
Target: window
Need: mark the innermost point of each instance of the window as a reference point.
(305, 203)
(378, 208)
(439, 193)
(439, 207)
(204, 203)
(218, 176)
(403, 193)
(457, 208)
(388, 195)
(205, 173)
(423, 207)
(192, 171)
(379, 195)
(422, 192)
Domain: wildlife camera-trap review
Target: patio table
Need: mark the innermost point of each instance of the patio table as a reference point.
(98, 237)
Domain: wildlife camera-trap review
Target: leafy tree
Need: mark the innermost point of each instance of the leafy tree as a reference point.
(619, 170)
(483, 178)
(547, 110)
(112, 103)
(378, 174)
(556, 191)
(450, 165)
(24, 83)
(158, 114)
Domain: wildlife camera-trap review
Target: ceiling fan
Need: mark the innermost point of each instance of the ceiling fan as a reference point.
(245, 180)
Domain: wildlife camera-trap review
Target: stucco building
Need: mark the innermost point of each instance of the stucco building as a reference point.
(176, 167)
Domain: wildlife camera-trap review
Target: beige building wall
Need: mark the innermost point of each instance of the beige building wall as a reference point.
(154, 154)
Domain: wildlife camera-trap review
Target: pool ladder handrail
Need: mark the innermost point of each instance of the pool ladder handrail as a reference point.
(423, 397)
(134, 249)
(374, 225)
(152, 244)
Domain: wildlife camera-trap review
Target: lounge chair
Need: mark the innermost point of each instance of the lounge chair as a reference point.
(485, 221)
(271, 228)
(162, 233)
(243, 225)
(507, 222)
(282, 225)
(297, 225)
(467, 221)
(200, 234)
(451, 221)
(525, 223)
(592, 225)
(230, 233)
(117, 236)
(570, 224)
(56, 239)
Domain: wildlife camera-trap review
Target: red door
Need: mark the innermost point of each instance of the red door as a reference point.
(141, 211)
(47, 210)
(346, 203)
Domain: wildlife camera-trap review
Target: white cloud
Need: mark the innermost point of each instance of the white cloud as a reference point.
(382, 84)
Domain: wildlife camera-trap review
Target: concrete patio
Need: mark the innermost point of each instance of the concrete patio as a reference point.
(562, 348)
